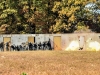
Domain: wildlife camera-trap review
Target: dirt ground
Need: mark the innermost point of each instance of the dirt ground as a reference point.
(50, 63)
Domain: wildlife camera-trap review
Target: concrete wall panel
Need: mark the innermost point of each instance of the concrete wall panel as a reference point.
(1, 38)
(71, 42)
(19, 39)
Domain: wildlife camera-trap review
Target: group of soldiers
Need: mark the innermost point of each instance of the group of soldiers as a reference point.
(40, 46)
(26, 46)
(5, 46)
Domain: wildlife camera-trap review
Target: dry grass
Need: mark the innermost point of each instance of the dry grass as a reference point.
(50, 63)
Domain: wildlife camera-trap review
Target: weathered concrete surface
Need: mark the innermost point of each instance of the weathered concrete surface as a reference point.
(86, 41)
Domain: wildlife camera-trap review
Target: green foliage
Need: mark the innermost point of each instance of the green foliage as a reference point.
(23, 73)
(70, 14)
(47, 16)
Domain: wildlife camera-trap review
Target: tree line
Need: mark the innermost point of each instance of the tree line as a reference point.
(49, 16)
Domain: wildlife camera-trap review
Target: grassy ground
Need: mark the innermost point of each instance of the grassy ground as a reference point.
(50, 63)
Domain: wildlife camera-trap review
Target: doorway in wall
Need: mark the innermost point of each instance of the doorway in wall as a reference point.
(31, 39)
(57, 42)
(7, 40)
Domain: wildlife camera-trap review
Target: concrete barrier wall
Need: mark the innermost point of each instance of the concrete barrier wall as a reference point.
(76, 41)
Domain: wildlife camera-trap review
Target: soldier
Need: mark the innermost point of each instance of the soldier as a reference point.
(39, 45)
(13, 48)
(35, 46)
(2, 46)
(49, 45)
(30, 46)
(44, 45)
(7, 46)
(18, 49)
